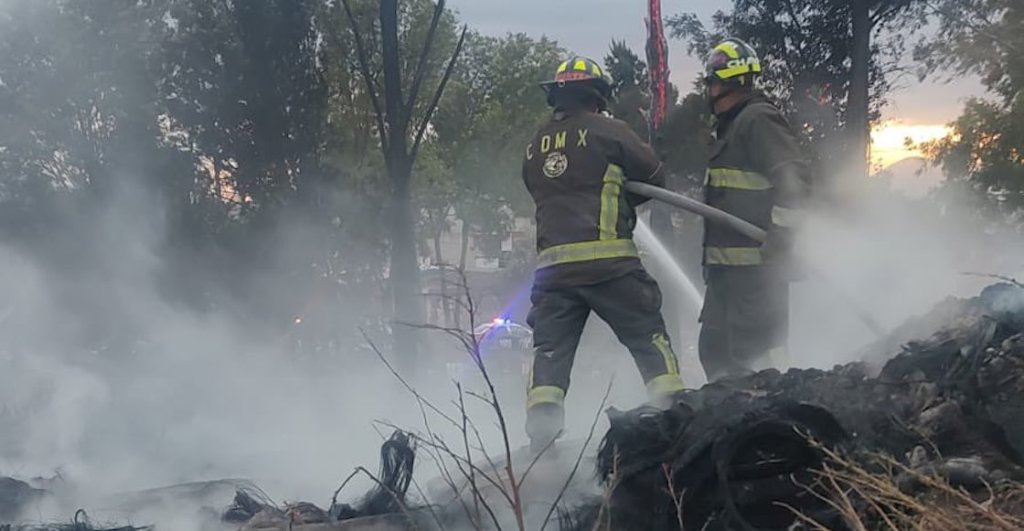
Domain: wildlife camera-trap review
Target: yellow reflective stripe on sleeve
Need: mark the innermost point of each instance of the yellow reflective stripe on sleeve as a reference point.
(786, 217)
(610, 192)
(733, 256)
(545, 394)
(586, 251)
(671, 363)
(738, 179)
(665, 384)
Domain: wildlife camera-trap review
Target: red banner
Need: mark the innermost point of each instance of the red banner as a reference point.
(657, 65)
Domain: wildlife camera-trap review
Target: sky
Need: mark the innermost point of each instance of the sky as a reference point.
(588, 27)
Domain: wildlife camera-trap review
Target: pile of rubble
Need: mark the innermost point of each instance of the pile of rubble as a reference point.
(383, 508)
(941, 417)
(755, 452)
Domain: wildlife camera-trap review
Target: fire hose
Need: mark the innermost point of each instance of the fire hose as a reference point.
(747, 229)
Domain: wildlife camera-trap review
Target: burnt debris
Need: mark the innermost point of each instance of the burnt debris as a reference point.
(388, 496)
(744, 454)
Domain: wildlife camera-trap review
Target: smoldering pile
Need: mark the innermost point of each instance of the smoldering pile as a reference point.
(759, 452)
(384, 507)
(756, 452)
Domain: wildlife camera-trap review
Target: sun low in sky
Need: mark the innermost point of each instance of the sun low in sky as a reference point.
(895, 148)
(892, 141)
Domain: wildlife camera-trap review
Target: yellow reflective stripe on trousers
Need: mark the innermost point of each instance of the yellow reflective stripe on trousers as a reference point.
(586, 251)
(610, 191)
(665, 384)
(545, 394)
(737, 179)
(786, 217)
(671, 363)
(733, 256)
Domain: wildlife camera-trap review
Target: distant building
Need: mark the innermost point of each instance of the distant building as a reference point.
(497, 266)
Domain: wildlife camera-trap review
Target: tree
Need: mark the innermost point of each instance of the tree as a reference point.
(82, 151)
(495, 105)
(983, 154)
(630, 87)
(402, 120)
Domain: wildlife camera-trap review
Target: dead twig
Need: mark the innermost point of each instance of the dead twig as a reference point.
(579, 458)
(408, 387)
(677, 499)
(993, 276)
(469, 455)
(394, 496)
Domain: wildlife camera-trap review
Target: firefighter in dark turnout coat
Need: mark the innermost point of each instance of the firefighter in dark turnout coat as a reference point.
(757, 172)
(574, 169)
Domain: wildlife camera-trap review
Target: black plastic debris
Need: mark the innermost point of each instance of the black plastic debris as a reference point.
(16, 496)
(79, 523)
(742, 454)
(397, 461)
(247, 504)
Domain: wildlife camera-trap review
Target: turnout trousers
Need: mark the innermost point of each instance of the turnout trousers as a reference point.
(631, 305)
(745, 320)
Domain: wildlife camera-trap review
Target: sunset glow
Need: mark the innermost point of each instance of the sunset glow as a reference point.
(889, 141)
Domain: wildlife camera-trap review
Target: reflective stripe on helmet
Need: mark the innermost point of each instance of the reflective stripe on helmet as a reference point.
(545, 394)
(610, 192)
(737, 179)
(733, 256)
(732, 58)
(586, 251)
(729, 48)
(582, 67)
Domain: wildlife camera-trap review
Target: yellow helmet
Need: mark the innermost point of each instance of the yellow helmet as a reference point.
(579, 72)
(732, 61)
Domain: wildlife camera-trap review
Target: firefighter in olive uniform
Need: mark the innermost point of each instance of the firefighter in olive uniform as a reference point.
(757, 172)
(574, 169)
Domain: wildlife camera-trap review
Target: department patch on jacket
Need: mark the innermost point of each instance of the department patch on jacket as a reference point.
(555, 165)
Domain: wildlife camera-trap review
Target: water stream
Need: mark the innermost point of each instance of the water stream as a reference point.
(678, 278)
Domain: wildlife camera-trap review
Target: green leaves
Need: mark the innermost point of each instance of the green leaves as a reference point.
(982, 37)
(806, 49)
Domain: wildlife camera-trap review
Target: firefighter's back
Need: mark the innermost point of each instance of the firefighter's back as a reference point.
(574, 169)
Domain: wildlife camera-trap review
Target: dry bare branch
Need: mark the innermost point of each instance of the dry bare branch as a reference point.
(579, 458)
(364, 68)
(429, 113)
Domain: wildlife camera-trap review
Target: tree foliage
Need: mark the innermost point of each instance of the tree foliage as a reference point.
(807, 48)
(984, 153)
(239, 145)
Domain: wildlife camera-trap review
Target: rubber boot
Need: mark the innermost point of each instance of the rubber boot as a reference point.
(544, 424)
